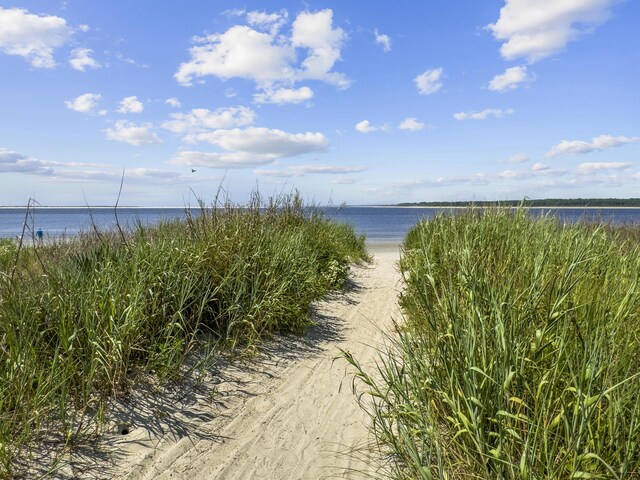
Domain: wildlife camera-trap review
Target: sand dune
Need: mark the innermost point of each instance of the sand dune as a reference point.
(290, 414)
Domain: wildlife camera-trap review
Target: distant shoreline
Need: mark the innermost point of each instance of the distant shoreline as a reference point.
(461, 207)
(534, 203)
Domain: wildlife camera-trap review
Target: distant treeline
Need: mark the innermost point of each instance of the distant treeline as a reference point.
(546, 202)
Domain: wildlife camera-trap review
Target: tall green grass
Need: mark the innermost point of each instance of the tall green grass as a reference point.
(79, 319)
(519, 356)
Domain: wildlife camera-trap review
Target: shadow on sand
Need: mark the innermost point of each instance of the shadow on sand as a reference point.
(191, 408)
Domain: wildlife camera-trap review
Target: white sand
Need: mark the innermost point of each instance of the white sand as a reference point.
(290, 414)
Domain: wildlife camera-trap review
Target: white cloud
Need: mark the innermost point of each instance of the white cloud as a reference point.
(14, 162)
(510, 79)
(239, 52)
(535, 29)
(411, 124)
(484, 114)
(269, 59)
(538, 171)
(130, 105)
(271, 22)
(301, 170)
(128, 132)
(539, 167)
(250, 147)
(265, 141)
(589, 168)
(365, 127)
(33, 37)
(513, 175)
(173, 102)
(430, 81)
(201, 120)
(284, 95)
(315, 32)
(235, 12)
(343, 180)
(218, 160)
(384, 40)
(85, 103)
(602, 142)
(518, 158)
(122, 58)
(80, 59)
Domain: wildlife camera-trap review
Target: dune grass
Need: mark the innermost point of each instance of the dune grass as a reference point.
(519, 354)
(80, 318)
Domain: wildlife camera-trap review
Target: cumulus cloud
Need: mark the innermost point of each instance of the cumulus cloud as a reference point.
(602, 142)
(251, 147)
(85, 103)
(269, 59)
(315, 32)
(430, 81)
(518, 158)
(80, 59)
(301, 170)
(173, 102)
(201, 120)
(589, 168)
(535, 29)
(511, 79)
(239, 52)
(484, 114)
(284, 95)
(365, 127)
(33, 37)
(411, 124)
(130, 105)
(384, 40)
(264, 141)
(128, 132)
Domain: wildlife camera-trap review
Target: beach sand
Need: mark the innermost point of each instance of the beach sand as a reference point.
(289, 413)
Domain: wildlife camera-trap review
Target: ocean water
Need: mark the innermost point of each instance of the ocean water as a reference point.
(379, 224)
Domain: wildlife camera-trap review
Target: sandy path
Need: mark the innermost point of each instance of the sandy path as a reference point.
(289, 415)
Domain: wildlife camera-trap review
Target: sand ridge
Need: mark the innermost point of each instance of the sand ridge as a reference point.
(290, 414)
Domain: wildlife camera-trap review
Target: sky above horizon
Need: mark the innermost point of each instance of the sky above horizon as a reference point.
(345, 102)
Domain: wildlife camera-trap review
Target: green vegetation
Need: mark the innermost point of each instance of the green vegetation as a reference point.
(547, 202)
(519, 357)
(79, 319)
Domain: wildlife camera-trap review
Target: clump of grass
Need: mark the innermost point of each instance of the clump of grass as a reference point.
(520, 354)
(80, 318)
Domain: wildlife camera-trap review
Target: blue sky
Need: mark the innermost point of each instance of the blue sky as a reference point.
(348, 101)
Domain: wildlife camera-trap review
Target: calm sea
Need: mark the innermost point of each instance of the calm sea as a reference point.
(380, 224)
